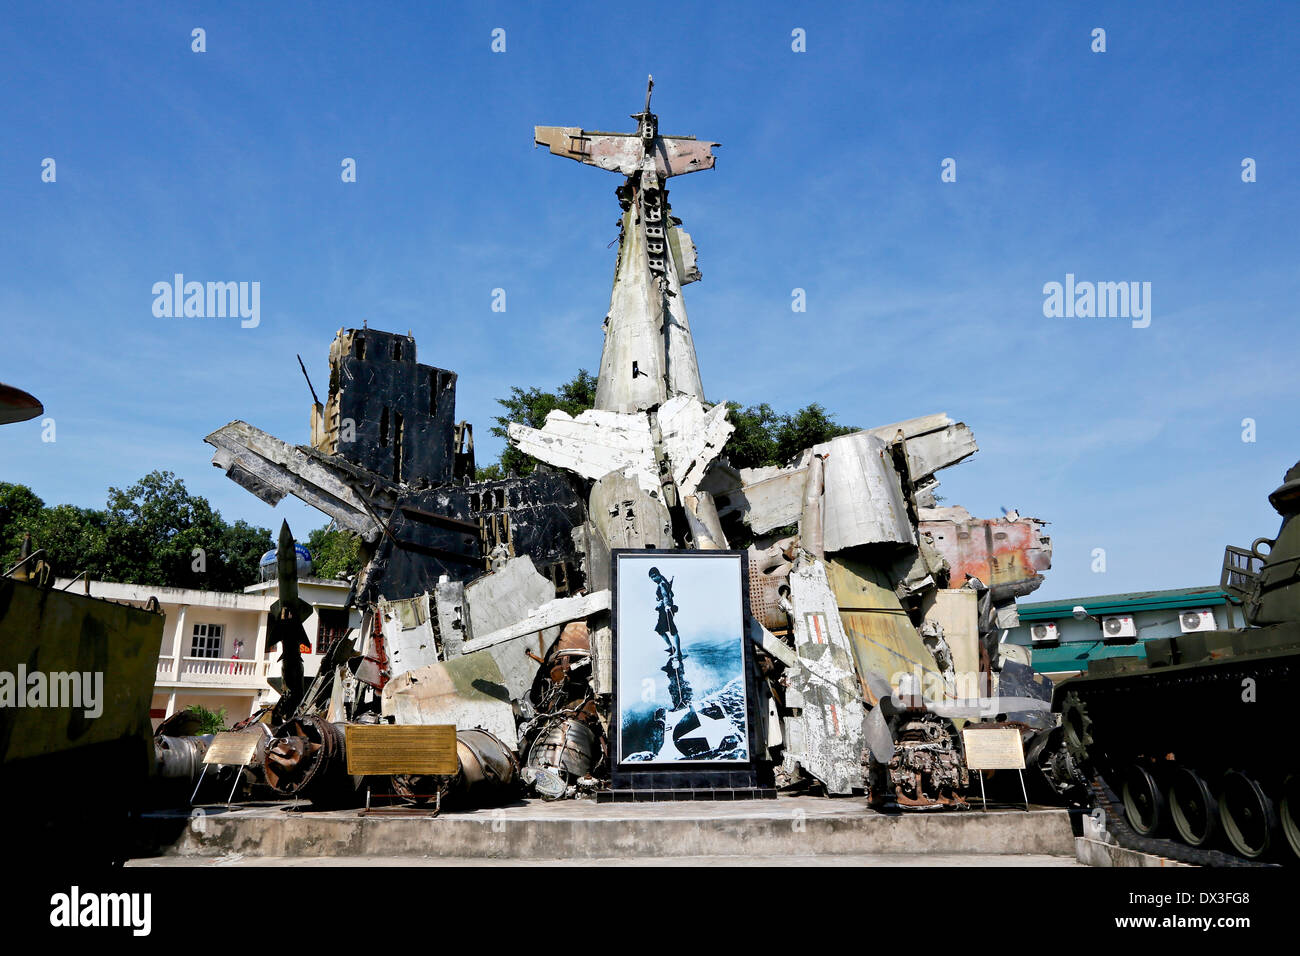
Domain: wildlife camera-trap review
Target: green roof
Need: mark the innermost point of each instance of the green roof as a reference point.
(1103, 604)
(1076, 655)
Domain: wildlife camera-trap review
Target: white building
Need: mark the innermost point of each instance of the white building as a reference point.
(214, 651)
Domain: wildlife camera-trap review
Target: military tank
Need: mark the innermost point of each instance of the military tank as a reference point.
(1188, 748)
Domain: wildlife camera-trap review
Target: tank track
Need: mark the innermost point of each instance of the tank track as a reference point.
(1117, 824)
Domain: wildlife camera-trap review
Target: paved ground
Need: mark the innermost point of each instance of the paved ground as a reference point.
(784, 808)
(789, 831)
(879, 859)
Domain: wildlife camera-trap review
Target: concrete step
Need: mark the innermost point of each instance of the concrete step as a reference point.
(1092, 852)
(795, 827)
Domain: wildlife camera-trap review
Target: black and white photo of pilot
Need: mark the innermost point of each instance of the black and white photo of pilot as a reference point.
(681, 659)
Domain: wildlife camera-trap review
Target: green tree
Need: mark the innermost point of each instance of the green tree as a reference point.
(335, 552)
(240, 552)
(753, 443)
(164, 535)
(809, 426)
(20, 510)
(531, 408)
(764, 437)
(154, 532)
(75, 540)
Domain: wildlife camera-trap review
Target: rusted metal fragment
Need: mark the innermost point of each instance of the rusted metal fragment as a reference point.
(1008, 554)
(451, 616)
(498, 599)
(624, 152)
(770, 497)
(769, 642)
(919, 570)
(627, 516)
(559, 611)
(826, 740)
(955, 613)
(649, 353)
(769, 577)
(487, 775)
(811, 522)
(932, 442)
(705, 526)
(927, 768)
(886, 645)
(467, 691)
(593, 553)
(692, 437)
(565, 750)
(862, 499)
(308, 759)
(271, 469)
(409, 633)
(593, 445)
(684, 255)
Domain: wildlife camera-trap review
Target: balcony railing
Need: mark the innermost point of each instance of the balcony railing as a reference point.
(211, 670)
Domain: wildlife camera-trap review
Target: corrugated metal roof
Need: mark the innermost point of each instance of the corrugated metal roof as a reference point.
(1075, 655)
(1102, 604)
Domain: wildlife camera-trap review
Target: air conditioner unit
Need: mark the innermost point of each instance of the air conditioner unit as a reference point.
(1201, 619)
(1119, 628)
(1044, 633)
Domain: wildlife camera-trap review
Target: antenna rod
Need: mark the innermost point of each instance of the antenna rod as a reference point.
(306, 376)
(650, 85)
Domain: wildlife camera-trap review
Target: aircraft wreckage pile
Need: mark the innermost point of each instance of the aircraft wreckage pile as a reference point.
(486, 604)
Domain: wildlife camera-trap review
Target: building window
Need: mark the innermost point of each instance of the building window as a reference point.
(206, 640)
(331, 625)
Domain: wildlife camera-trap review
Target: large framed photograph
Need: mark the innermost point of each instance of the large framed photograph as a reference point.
(683, 688)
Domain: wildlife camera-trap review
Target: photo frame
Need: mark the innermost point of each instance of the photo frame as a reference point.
(685, 714)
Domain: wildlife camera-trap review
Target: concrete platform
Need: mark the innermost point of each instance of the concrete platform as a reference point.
(1091, 852)
(794, 828)
(766, 862)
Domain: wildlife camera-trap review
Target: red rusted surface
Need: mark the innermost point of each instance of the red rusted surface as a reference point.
(1007, 554)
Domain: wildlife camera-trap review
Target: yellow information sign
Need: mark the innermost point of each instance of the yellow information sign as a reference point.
(383, 749)
(993, 748)
(233, 749)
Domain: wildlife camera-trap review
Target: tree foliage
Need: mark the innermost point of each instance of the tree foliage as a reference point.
(765, 437)
(530, 407)
(210, 722)
(335, 552)
(154, 532)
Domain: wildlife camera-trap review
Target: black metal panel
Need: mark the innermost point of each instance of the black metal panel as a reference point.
(437, 531)
(403, 414)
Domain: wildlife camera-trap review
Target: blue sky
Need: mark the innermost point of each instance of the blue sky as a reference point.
(922, 296)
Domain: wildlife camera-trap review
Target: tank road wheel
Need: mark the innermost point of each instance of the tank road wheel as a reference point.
(1144, 803)
(1193, 808)
(1290, 813)
(1077, 726)
(1248, 815)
